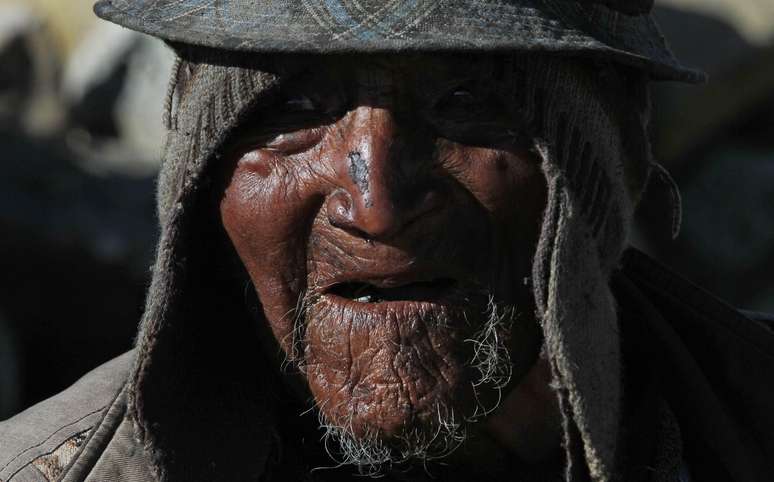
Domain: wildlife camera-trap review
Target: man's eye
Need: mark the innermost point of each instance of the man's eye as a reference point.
(460, 98)
(475, 117)
(300, 103)
(462, 94)
(294, 142)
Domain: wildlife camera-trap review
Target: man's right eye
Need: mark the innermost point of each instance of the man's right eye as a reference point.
(289, 143)
(457, 103)
(299, 103)
(293, 122)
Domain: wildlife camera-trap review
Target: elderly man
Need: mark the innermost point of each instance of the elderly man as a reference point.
(393, 244)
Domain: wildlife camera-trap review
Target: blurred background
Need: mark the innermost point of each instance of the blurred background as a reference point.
(80, 142)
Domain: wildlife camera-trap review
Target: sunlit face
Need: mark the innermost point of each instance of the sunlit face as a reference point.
(387, 211)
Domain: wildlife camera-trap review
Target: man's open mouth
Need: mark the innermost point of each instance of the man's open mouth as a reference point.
(363, 292)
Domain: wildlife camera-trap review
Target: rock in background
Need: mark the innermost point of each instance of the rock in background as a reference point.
(114, 84)
(10, 394)
(718, 142)
(80, 141)
(28, 72)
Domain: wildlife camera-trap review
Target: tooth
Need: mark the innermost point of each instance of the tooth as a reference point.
(364, 299)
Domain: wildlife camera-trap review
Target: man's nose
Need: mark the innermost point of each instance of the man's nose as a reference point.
(383, 173)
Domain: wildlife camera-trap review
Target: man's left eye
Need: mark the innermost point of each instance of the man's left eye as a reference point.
(462, 95)
(460, 98)
(300, 103)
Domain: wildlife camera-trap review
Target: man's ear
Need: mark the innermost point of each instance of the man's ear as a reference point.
(628, 7)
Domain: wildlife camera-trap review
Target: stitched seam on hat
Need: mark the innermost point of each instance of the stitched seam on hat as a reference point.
(367, 21)
(198, 8)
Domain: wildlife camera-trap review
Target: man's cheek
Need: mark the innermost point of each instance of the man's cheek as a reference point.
(279, 277)
(324, 258)
(513, 190)
(266, 220)
(499, 179)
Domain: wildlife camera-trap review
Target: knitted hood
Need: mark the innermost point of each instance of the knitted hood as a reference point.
(199, 394)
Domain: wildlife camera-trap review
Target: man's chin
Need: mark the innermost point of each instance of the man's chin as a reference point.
(374, 451)
(382, 367)
(396, 381)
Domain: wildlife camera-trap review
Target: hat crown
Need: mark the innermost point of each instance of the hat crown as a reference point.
(620, 30)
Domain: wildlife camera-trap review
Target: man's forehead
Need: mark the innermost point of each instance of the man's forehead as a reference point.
(374, 71)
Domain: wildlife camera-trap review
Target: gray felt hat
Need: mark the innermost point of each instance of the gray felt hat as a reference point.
(621, 30)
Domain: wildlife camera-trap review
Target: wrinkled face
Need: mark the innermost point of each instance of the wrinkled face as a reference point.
(387, 210)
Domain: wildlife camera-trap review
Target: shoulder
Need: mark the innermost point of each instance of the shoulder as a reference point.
(674, 294)
(712, 329)
(711, 361)
(766, 319)
(42, 440)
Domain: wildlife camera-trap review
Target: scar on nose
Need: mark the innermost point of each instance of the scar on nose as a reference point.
(358, 172)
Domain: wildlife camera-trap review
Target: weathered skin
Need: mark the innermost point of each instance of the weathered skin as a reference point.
(389, 171)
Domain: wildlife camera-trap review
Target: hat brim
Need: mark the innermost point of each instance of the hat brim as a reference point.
(329, 26)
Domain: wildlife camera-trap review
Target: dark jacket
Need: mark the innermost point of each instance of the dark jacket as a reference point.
(710, 363)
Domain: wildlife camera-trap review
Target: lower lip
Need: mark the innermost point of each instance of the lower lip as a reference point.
(441, 301)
